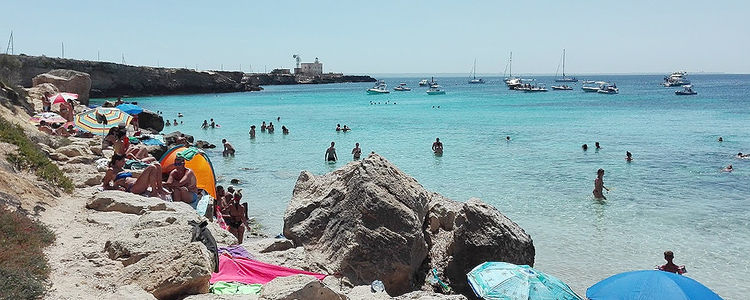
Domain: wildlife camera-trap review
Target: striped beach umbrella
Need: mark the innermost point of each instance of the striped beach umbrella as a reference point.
(62, 97)
(101, 119)
(48, 117)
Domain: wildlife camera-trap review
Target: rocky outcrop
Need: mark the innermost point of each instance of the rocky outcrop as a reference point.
(171, 274)
(70, 81)
(298, 287)
(370, 221)
(171, 138)
(151, 121)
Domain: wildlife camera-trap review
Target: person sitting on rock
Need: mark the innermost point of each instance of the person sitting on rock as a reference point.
(118, 179)
(182, 182)
(235, 215)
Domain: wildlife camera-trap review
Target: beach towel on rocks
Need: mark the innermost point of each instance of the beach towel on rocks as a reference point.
(135, 165)
(233, 288)
(203, 235)
(151, 141)
(236, 251)
(240, 269)
(188, 153)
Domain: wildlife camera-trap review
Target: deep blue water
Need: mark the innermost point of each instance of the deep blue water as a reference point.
(672, 196)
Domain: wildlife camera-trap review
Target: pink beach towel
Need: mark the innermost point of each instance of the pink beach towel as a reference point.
(239, 269)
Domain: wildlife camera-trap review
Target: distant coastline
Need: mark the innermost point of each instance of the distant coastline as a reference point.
(112, 79)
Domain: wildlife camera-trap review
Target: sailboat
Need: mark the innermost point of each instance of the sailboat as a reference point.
(474, 80)
(563, 78)
(510, 81)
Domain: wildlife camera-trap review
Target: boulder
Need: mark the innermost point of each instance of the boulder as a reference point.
(365, 292)
(74, 150)
(204, 145)
(468, 234)
(363, 221)
(123, 202)
(36, 93)
(171, 138)
(278, 245)
(425, 295)
(67, 81)
(171, 273)
(130, 291)
(298, 287)
(156, 150)
(150, 120)
(136, 245)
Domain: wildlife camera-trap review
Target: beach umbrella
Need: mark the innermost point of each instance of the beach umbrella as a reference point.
(62, 97)
(101, 119)
(649, 284)
(48, 117)
(130, 109)
(500, 280)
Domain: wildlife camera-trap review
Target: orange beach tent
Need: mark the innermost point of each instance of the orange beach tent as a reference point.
(199, 163)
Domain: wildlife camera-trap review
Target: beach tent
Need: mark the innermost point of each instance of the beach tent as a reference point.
(195, 160)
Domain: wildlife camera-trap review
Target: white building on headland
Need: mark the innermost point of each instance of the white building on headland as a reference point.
(314, 68)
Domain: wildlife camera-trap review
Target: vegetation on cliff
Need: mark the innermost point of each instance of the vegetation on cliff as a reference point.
(29, 157)
(23, 265)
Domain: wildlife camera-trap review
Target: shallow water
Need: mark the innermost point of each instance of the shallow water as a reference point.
(672, 196)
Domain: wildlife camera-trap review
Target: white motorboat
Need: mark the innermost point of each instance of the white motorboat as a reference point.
(536, 88)
(423, 82)
(435, 90)
(379, 88)
(402, 87)
(678, 78)
(562, 87)
(686, 91)
(608, 89)
(592, 87)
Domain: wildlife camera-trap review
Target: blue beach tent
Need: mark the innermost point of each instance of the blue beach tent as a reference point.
(649, 284)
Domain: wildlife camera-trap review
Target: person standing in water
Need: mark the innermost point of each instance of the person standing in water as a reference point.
(205, 124)
(356, 152)
(331, 153)
(628, 156)
(252, 131)
(599, 185)
(437, 146)
(228, 148)
(670, 266)
(263, 127)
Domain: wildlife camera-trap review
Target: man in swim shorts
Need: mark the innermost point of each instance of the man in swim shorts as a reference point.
(228, 148)
(182, 182)
(437, 146)
(331, 153)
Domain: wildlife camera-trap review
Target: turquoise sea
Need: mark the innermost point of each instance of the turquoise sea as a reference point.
(671, 197)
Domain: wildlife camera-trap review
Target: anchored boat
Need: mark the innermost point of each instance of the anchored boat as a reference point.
(379, 88)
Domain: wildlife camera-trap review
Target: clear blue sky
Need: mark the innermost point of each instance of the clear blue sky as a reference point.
(391, 36)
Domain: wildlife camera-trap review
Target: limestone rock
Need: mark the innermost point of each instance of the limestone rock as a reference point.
(298, 287)
(365, 292)
(130, 291)
(363, 220)
(36, 93)
(57, 156)
(469, 234)
(156, 150)
(123, 202)
(136, 245)
(74, 150)
(278, 245)
(204, 145)
(150, 120)
(171, 138)
(171, 273)
(425, 295)
(222, 236)
(67, 81)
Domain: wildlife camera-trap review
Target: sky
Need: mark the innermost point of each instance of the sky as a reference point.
(376, 37)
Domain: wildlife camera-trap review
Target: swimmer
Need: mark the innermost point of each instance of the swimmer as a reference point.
(175, 122)
(742, 156)
(729, 168)
(331, 153)
(284, 130)
(278, 119)
(628, 156)
(167, 124)
(437, 146)
(599, 185)
(270, 127)
(356, 152)
(205, 124)
(597, 146)
(179, 115)
(721, 139)
(346, 128)
(585, 147)
(338, 127)
(252, 131)
(263, 126)
(213, 124)
(507, 138)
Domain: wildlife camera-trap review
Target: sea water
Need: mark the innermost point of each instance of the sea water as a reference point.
(672, 196)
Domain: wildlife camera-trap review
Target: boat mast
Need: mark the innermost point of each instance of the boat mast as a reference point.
(510, 69)
(474, 71)
(563, 63)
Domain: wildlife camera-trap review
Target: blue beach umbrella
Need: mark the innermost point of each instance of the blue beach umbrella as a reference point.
(649, 284)
(500, 280)
(130, 109)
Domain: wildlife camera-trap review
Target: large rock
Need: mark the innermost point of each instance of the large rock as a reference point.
(156, 150)
(135, 245)
(172, 273)
(171, 138)
(129, 292)
(464, 235)
(363, 220)
(74, 150)
(67, 81)
(298, 287)
(36, 93)
(123, 202)
(150, 120)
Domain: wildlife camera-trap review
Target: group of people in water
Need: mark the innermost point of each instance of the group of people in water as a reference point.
(331, 155)
(344, 129)
(268, 128)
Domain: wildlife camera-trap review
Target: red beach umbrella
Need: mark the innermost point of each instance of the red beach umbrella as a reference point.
(62, 97)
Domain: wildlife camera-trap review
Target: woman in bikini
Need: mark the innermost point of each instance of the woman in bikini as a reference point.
(235, 215)
(118, 179)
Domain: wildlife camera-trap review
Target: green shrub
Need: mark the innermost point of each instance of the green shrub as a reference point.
(30, 157)
(23, 266)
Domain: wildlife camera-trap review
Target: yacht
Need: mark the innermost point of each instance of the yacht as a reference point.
(533, 88)
(379, 88)
(562, 87)
(475, 80)
(686, 90)
(563, 78)
(511, 81)
(402, 87)
(678, 78)
(592, 87)
(423, 82)
(608, 89)
(435, 90)
(514, 83)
